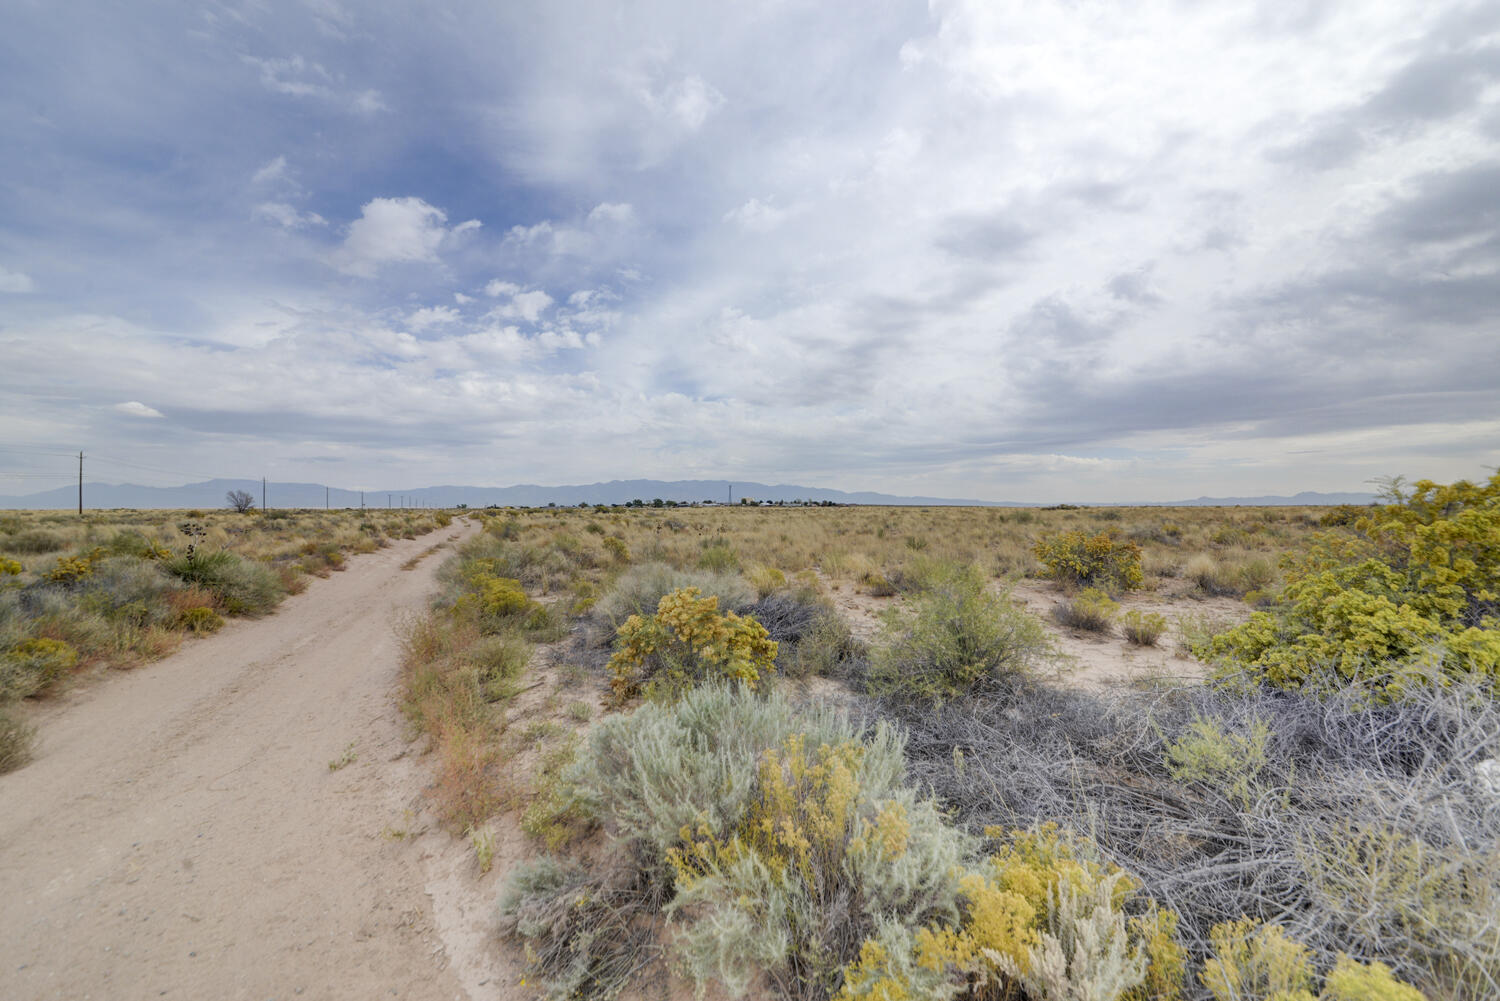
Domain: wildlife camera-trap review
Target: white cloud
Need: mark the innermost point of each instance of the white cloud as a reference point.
(275, 170)
(368, 102)
(389, 231)
(295, 76)
(15, 281)
(757, 216)
(617, 213)
(286, 216)
(461, 299)
(527, 306)
(430, 316)
(135, 408)
(497, 288)
(689, 102)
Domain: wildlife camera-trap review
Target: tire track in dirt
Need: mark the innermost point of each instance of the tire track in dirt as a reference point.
(182, 834)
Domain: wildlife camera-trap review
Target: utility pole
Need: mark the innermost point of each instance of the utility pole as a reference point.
(80, 484)
(361, 500)
(325, 498)
(731, 494)
(262, 493)
(387, 500)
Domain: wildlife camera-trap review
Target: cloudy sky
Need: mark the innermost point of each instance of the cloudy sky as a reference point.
(1005, 250)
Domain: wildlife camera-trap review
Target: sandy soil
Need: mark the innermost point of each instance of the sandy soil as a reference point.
(182, 834)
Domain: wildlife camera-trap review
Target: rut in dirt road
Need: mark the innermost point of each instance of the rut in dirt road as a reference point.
(181, 833)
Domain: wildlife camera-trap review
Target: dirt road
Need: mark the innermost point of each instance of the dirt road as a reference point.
(182, 835)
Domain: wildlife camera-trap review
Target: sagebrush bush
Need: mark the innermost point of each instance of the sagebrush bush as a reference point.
(1077, 559)
(239, 586)
(957, 638)
(830, 845)
(688, 641)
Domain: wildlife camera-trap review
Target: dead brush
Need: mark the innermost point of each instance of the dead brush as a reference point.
(1362, 829)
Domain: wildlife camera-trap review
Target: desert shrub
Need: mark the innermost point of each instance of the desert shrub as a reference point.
(639, 591)
(830, 844)
(1256, 961)
(1197, 631)
(123, 586)
(1230, 762)
(17, 740)
(1212, 577)
(127, 543)
(33, 665)
(71, 570)
(1412, 597)
(1143, 628)
(584, 929)
(239, 586)
(1076, 559)
(663, 768)
(1044, 915)
(687, 641)
(616, 548)
(9, 568)
(1090, 609)
(34, 542)
(718, 558)
(958, 638)
(1369, 829)
(199, 621)
(1253, 961)
(494, 602)
(877, 584)
(498, 663)
(765, 579)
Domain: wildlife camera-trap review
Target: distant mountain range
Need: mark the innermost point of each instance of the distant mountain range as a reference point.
(210, 494)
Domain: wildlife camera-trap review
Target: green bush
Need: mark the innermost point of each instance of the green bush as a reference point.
(1412, 596)
(830, 845)
(1104, 561)
(239, 586)
(1091, 609)
(958, 637)
(32, 543)
(1143, 628)
(639, 591)
(17, 740)
(33, 665)
(687, 641)
(199, 621)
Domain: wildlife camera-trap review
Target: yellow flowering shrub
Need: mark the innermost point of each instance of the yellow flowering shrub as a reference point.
(492, 596)
(1412, 597)
(688, 640)
(830, 843)
(1009, 928)
(1252, 961)
(32, 665)
(1080, 560)
(72, 569)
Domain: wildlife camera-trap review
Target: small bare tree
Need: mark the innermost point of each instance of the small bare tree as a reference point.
(241, 500)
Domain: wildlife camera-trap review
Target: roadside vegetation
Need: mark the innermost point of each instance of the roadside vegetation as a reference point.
(763, 804)
(114, 589)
